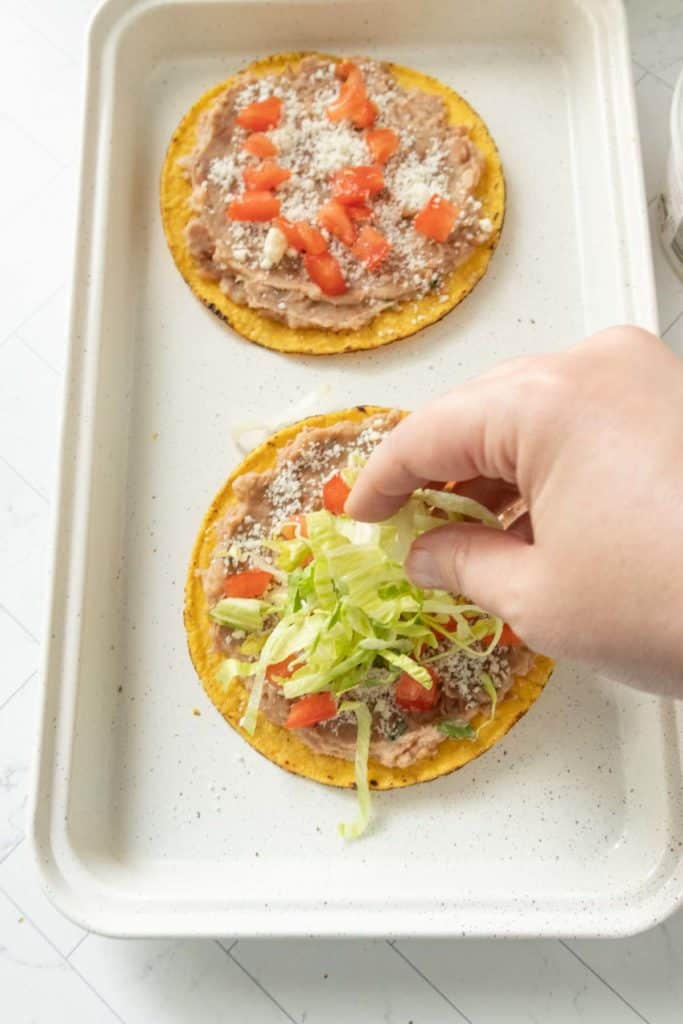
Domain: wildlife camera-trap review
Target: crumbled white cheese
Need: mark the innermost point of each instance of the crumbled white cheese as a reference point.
(312, 148)
(274, 248)
(415, 178)
(415, 197)
(223, 172)
(335, 146)
(284, 137)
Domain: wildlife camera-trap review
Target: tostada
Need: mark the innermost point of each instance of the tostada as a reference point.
(311, 641)
(322, 205)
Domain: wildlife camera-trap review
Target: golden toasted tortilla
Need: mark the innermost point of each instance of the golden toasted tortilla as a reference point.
(387, 326)
(281, 746)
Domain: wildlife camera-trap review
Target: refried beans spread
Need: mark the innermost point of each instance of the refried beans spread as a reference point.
(328, 193)
(403, 729)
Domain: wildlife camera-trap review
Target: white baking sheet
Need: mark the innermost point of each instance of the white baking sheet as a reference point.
(148, 819)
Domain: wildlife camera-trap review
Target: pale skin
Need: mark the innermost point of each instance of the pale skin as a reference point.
(592, 440)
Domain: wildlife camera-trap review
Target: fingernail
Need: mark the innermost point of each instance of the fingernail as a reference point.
(423, 569)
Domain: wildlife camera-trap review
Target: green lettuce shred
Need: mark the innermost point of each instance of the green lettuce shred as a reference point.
(459, 505)
(248, 719)
(240, 613)
(487, 683)
(409, 665)
(354, 829)
(457, 730)
(344, 606)
(232, 669)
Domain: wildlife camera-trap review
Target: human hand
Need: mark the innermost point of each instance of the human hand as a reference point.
(592, 438)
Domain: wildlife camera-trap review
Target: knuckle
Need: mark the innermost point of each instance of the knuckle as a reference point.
(624, 334)
(458, 559)
(543, 390)
(518, 600)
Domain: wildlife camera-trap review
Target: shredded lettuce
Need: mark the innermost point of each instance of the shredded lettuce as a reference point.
(350, 472)
(354, 829)
(418, 672)
(232, 669)
(240, 613)
(352, 603)
(457, 730)
(248, 434)
(290, 553)
(252, 646)
(248, 719)
(459, 505)
(345, 609)
(261, 563)
(487, 683)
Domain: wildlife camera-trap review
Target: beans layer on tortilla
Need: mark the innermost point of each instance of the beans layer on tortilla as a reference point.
(298, 471)
(391, 263)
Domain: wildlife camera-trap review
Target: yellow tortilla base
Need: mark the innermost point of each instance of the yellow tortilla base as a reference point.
(387, 326)
(282, 747)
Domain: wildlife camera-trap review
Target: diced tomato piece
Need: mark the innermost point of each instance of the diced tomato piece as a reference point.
(365, 114)
(249, 583)
(296, 526)
(335, 493)
(291, 233)
(508, 638)
(309, 710)
(412, 696)
(256, 206)
(440, 485)
(259, 117)
(360, 213)
(334, 217)
(352, 92)
(282, 669)
(259, 145)
(353, 101)
(355, 185)
(324, 270)
(313, 240)
(344, 68)
(436, 218)
(371, 247)
(267, 175)
(302, 236)
(382, 143)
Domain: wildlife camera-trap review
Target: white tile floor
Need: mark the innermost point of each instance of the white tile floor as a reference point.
(50, 970)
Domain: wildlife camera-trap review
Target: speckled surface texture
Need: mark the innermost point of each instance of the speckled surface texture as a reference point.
(52, 970)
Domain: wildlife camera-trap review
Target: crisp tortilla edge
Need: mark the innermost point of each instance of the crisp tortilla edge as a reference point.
(279, 745)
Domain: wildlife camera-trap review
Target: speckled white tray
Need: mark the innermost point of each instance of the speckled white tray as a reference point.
(149, 819)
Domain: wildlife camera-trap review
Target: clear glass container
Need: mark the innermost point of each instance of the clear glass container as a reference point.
(671, 199)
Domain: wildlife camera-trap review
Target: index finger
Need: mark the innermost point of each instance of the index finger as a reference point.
(455, 437)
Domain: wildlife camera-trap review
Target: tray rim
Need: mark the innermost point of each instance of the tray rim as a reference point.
(110, 918)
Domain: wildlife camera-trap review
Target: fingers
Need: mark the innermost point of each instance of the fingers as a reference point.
(466, 434)
(496, 495)
(522, 528)
(491, 567)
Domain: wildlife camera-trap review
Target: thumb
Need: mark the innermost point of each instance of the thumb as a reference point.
(488, 566)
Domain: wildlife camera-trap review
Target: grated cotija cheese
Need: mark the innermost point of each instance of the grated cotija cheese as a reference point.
(433, 158)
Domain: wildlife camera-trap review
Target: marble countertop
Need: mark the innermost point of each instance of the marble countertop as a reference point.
(53, 971)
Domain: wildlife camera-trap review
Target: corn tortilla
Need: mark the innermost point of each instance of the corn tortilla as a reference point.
(387, 326)
(279, 745)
